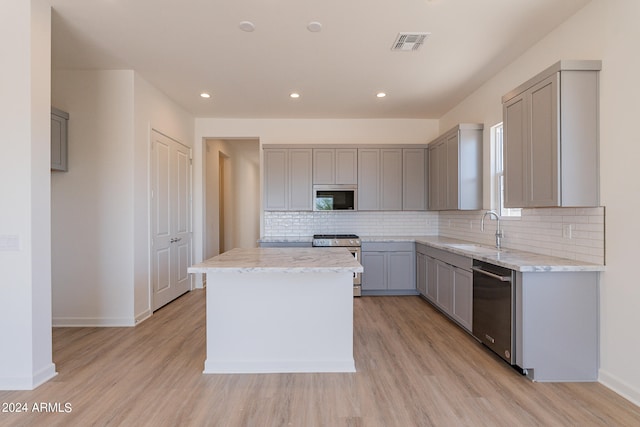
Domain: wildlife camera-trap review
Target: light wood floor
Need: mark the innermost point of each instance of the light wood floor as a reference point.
(415, 368)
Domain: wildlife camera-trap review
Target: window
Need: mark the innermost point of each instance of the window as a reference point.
(496, 136)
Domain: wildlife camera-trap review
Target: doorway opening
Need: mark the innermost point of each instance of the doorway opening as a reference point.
(232, 194)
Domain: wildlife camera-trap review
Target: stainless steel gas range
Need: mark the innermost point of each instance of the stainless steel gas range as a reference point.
(349, 241)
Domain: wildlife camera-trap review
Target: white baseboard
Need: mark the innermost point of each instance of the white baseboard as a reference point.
(29, 383)
(143, 316)
(629, 392)
(62, 322)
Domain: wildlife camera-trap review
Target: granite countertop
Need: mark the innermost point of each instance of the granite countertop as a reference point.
(510, 258)
(281, 260)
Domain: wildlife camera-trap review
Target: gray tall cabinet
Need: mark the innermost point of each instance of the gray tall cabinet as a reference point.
(551, 138)
(455, 169)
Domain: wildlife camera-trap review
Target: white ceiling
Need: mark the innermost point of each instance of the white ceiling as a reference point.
(185, 47)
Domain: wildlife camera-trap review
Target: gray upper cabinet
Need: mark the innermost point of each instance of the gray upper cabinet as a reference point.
(455, 169)
(414, 179)
(335, 166)
(380, 178)
(551, 138)
(59, 125)
(288, 179)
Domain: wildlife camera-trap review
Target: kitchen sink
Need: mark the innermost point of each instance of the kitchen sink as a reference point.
(470, 247)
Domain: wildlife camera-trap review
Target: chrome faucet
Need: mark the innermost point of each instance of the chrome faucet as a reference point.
(499, 232)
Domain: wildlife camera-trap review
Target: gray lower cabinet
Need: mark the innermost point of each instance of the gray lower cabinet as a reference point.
(462, 310)
(288, 179)
(421, 272)
(59, 143)
(389, 268)
(447, 283)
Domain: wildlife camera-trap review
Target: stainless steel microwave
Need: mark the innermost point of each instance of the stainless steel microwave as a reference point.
(335, 197)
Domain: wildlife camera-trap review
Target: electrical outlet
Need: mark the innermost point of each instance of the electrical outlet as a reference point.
(567, 231)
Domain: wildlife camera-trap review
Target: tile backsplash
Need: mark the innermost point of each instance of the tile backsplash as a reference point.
(387, 223)
(574, 233)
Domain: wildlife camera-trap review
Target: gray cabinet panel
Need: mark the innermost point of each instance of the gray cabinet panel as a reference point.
(390, 180)
(401, 270)
(444, 285)
(323, 166)
(463, 298)
(557, 325)
(432, 280)
(276, 180)
(368, 179)
(543, 149)
(421, 273)
(300, 180)
(59, 140)
(346, 166)
(515, 170)
(414, 179)
(374, 276)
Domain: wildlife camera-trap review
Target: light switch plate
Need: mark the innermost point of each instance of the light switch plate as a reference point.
(9, 243)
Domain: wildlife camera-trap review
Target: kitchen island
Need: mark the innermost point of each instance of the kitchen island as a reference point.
(279, 310)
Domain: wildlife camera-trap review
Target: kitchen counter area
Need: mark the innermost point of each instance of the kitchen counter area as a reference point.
(252, 297)
(517, 260)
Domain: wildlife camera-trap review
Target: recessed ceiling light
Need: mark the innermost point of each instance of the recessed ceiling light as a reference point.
(247, 26)
(205, 95)
(314, 26)
(294, 95)
(381, 94)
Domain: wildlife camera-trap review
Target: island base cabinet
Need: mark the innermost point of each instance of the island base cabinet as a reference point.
(557, 325)
(279, 322)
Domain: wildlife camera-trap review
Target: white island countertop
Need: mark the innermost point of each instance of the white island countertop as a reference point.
(281, 260)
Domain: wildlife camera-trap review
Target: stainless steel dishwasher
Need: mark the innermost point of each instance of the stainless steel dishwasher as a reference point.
(493, 308)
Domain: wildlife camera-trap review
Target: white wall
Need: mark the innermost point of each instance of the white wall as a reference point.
(25, 230)
(100, 207)
(606, 30)
(92, 203)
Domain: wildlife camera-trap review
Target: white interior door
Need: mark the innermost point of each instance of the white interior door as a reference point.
(170, 219)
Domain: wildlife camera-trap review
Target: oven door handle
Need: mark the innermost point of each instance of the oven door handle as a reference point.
(492, 275)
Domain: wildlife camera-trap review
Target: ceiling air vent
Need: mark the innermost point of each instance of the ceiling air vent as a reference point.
(409, 41)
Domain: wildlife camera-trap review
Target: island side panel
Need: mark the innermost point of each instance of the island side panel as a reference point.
(279, 322)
